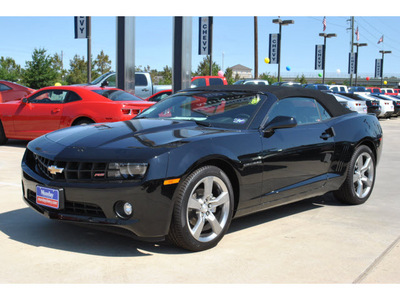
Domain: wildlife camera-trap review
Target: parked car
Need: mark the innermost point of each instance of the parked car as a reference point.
(221, 153)
(387, 107)
(373, 106)
(56, 107)
(159, 96)
(389, 91)
(338, 88)
(358, 90)
(395, 101)
(374, 90)
(199, 81)
(317, 86)
(358, 106)
(144, 86)
(287, 83)
(252, 82)
(10, 91)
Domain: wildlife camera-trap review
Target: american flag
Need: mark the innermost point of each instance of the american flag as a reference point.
(324, 23)
(380, 40)
(357, 34)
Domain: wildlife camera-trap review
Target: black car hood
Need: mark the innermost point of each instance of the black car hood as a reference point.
(136, 133)
(137, 138)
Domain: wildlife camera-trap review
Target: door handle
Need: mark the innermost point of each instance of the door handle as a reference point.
(145, 90)
(327, 134)
(55, 110)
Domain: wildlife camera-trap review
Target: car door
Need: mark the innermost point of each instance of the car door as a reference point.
(296, 160)
(40, 114)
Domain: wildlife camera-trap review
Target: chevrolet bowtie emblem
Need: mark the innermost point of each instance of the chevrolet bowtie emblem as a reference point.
(54, 170)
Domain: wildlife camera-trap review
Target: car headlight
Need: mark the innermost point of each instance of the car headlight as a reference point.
(126, 170)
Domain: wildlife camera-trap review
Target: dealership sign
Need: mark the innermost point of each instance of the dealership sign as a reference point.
(205, 37)
(81, 27)
(378, 67)
(319, 57)
(274, 48)
(352, 63)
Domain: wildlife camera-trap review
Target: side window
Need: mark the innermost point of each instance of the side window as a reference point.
(323, 112)
(3, 87)
(199, 82)
(304, 110)
(72, 96)
(49, 96)
(140, 80)
(216, 81)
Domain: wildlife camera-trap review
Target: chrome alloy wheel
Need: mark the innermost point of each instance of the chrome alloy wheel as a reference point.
(363, 177)
(208, 209)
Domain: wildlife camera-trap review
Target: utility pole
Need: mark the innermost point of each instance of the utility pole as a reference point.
(255, 48)
(89, 51)
(352, 42)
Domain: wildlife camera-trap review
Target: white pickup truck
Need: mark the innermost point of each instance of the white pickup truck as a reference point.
(143, 84)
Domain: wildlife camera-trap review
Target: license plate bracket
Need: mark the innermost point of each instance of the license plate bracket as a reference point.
(50, 197)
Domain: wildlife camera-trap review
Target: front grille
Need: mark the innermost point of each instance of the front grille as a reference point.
(73, 208)
(68, 171)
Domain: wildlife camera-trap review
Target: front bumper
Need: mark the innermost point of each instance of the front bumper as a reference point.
(94, 203)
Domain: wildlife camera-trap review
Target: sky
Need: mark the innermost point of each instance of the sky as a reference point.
(22, 29)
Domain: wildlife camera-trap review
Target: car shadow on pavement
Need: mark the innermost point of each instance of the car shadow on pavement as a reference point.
(283, 211)
(28, 227)
(16, 143)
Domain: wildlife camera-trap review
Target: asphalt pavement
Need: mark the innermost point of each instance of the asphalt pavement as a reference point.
(317, 240)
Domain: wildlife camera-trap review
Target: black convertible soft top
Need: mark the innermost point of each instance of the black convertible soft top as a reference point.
(328, 101)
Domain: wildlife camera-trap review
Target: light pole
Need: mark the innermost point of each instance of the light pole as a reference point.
(358, 45)
(325, 35)
(383, 54)
(280, 22)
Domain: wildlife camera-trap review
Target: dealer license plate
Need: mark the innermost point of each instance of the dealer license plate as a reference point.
(48, 197)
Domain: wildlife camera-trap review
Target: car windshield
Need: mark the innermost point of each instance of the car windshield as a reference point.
(220, 109)
(98, 79)
(117, 95)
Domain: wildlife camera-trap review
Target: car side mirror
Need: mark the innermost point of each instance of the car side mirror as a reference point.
(104, 83)
(279, 122)
(25, 100)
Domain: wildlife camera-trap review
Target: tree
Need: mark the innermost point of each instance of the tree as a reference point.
(203, 69)
(266, 76)
(229, 75)
(39, 71)
(166, 74)
(9, 70)
(102, 63)
(58, 66)
(301, 79)
(78, 70)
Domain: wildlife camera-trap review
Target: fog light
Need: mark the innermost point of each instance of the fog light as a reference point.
(123, 210)
(128, 209)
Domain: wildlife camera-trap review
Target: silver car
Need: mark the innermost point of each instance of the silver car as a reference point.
(352, 104)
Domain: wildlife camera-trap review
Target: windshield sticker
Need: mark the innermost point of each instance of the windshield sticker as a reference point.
(239, 121)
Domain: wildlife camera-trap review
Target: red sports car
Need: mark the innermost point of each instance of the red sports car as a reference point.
(10, 91)
(56, 107)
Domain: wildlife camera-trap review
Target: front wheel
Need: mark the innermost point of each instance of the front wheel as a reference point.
(360, 177)
(203, 209)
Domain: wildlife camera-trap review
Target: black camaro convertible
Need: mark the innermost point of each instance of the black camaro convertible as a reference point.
(186, 166)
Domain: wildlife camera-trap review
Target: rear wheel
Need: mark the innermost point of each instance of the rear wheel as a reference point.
(360, 177)
(203, 209)
(3, 138)
(84, 121)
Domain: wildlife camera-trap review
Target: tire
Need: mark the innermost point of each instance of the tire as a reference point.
(203, 209)
(360, 178)
(85, 121)
(3, 138)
